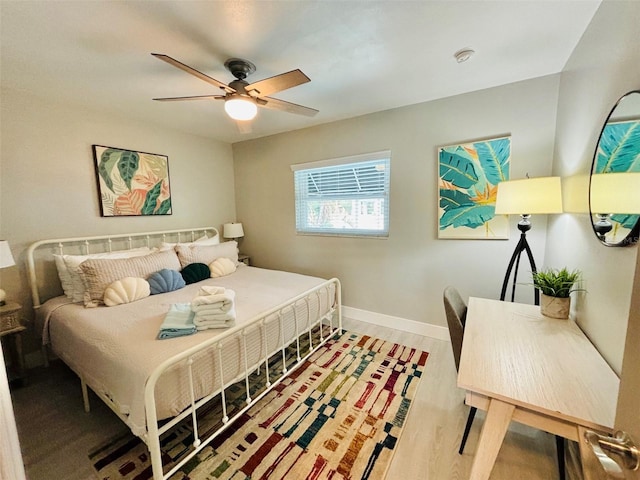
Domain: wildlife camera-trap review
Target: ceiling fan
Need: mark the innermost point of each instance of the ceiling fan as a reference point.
(241, 98)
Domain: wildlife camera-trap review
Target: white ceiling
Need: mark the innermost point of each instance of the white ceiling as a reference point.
(362, 56)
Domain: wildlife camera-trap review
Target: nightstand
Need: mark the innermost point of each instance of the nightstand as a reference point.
(10, 326)
(246, 259)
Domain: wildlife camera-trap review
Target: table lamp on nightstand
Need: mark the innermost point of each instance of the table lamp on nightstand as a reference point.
(6, 260)
(233, 231)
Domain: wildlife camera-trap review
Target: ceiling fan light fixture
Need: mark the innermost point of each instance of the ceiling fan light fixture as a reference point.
(240, 108)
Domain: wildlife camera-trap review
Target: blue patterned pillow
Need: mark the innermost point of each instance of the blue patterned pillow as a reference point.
(165, 280)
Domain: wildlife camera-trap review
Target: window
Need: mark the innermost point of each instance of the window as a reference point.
(344, 196)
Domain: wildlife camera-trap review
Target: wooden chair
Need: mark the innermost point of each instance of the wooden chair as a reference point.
(456, 311)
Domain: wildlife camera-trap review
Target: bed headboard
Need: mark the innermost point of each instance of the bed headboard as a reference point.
(43, 276)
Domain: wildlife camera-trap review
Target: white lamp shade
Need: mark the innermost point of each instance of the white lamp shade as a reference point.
(615, 193)
(6, 259)
(575, 193)
(239, 108)
(233, 230)
(540, 195)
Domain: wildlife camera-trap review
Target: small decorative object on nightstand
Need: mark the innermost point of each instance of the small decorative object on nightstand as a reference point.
(10, 326)
(246, 259)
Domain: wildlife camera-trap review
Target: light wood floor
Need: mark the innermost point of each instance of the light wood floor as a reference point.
(56, 434)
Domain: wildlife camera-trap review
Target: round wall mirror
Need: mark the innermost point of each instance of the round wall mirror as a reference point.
(614, 190)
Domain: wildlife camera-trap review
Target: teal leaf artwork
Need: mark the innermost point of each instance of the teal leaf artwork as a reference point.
(107, 160)
(128, 166)
(450, 199)
(132, 183)
(472, 216)
(164, 208)
(627, 220)
(619, 148)
(468, 180)
(494, 157)
(151, 200)
(458, 169)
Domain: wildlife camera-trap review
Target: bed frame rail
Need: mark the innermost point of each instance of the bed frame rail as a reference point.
(326, 325)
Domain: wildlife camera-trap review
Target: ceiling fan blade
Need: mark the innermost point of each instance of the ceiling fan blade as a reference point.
(244, 126)
(193, 71)
(278, 83)
(196, 97)
(275, 104)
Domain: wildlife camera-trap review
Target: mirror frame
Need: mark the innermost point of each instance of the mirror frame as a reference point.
(632, 237)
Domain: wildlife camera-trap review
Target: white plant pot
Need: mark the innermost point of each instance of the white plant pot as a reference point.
(555, 307)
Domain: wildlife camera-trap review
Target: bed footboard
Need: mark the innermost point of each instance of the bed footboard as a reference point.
(285, 346)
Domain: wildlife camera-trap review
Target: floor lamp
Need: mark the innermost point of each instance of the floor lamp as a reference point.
(534, 196)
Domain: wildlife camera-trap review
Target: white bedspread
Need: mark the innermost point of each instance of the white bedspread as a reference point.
(115, 349)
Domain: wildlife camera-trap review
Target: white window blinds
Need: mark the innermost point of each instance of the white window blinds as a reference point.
(345, 196)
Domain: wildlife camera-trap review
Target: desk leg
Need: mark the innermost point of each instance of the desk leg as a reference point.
(493, 431)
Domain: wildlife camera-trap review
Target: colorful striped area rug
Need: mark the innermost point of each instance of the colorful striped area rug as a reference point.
(338, 416)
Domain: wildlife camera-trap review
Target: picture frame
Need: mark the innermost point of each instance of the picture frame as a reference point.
(468, 179)
(132, 183)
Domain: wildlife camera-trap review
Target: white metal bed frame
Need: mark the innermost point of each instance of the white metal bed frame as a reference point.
(154, 432)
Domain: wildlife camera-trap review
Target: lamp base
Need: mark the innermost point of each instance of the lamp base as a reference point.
(514, 264)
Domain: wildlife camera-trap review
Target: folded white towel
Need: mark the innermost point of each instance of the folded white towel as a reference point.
(220, 324)
(204, 320)
(204, 317)
(211, 290)
(210, 297)
(214, 308)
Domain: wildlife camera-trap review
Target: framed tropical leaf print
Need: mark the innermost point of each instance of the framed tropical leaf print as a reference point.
(467, 185)
(132, 183)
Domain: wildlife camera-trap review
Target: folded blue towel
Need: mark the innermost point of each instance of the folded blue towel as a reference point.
(177, 322)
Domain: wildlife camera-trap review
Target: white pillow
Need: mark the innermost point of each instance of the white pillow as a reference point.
(64, 276)
(204, 240)
(215, 240)
(196, 253)
(70, 274)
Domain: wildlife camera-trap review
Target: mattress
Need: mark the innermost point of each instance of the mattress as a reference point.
(115, 349)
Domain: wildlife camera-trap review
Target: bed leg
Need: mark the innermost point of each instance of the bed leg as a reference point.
(153, 445)
(85, 396)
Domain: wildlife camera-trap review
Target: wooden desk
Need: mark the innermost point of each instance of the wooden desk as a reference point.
(519, 365)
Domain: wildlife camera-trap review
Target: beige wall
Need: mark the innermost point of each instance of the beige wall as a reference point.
(404, 275)
(48, 187)
(48, 184)
(604, 66)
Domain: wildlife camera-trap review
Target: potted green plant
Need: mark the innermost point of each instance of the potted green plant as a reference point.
(555, 288)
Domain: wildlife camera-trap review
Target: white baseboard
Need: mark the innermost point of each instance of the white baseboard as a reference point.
(411, 326)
